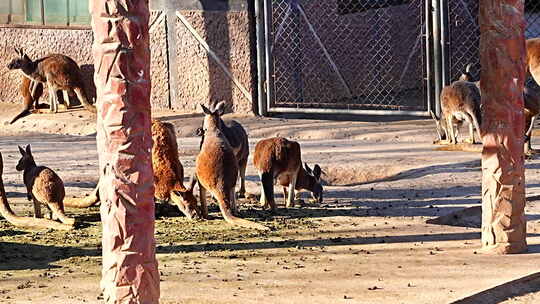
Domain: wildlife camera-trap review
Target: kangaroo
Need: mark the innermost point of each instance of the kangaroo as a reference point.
(59, 72)
(531, 106)
(43, 186)
(238, 139)
(168, 171)
(279, 158)
(216, 168)
(460, 101)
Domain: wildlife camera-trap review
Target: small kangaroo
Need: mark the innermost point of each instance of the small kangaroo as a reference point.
(59, 72)
(460, 101)
(238, 139)
(169, 172)
(279, 158)
(217, 169)
(43, 186)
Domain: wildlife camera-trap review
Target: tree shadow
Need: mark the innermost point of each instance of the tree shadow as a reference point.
(520, 287)
(337, 241)
(16, 256)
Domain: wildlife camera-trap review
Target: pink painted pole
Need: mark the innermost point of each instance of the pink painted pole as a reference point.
(122, 63)
(502, 55)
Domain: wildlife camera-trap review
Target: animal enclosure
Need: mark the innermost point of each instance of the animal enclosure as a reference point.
(367, 57)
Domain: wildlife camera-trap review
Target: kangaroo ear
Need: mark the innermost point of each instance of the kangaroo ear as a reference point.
(28, 150)
(206, 110)
(317, 171)
(220, 108)
(468, 68)
(22, 151)
(308, 169)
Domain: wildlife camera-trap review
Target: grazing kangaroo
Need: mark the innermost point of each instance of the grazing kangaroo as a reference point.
(238, 139)
(217, 169)
(168, 171)
(279, 158)
(59, 72)
(43, 186)
(460, 101)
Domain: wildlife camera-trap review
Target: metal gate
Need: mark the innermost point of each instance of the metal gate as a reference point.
(461, 36)
(367, 56)
(344, 56)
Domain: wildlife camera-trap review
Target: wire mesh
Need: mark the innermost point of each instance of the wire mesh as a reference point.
(463, 39)
(349, 54)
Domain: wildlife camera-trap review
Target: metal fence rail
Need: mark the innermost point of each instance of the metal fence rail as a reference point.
(346, 55)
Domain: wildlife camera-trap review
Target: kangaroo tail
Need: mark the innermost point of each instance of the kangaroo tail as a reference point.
(23, 113)
(84, 202)
(231, 219)
(81, 95)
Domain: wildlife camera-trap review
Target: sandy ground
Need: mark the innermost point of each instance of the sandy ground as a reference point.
(367, 243)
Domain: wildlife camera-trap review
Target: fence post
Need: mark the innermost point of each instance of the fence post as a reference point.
(502, 56)
(437, 66)
(122, 63)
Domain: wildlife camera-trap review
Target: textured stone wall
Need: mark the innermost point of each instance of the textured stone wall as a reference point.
(200, 79)
(76, 44)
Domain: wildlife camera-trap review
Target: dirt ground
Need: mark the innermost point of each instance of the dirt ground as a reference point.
(367, 243)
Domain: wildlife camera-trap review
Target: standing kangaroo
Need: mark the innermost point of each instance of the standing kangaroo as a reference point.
(531, 100)
(279, 158)
(460, 101)
(216, 168)
(59, 72)
(43, 186)
(238, 139)
(168, 171)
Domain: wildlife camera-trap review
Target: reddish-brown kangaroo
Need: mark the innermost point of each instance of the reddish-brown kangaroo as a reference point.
(279, 158)
(217, 169)
(238, 139)
(169, 172)
(58, 72)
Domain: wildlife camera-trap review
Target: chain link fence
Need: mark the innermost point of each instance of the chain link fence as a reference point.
(463, 38)
(348, 54)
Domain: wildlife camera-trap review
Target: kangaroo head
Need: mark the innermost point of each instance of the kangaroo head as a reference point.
(212, 118)
(467, 76)
(440, 125)
(22, 60)
(314, 182)
(187, 202)
(27, 160)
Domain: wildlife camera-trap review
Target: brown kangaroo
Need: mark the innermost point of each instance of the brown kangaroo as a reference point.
(531, 106)
(59, 72)
(217, 169)
(460, 101)
(279, 158)
(168, 171)
(238, 139)
(43, 186)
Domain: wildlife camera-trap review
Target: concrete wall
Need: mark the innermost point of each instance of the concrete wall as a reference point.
(183, 75)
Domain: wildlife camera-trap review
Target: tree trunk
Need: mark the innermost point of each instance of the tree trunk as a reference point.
(23, 221)
(122, 64)
(502, 56)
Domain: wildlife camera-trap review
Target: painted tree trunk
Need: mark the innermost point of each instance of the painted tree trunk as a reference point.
(122, 64)
(502, 56)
